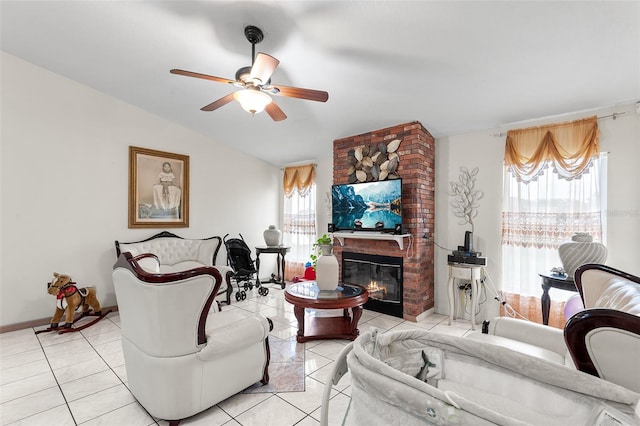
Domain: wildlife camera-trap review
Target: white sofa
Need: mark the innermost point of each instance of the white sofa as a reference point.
(180, 254)
(602, 340)
(182, 356)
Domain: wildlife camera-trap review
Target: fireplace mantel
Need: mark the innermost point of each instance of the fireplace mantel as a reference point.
(366, 235)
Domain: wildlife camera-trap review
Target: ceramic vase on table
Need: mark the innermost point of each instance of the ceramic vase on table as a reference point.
(272, 236)
(327, 272)
(579, 251)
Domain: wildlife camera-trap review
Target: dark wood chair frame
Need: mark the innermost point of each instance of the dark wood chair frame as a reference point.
(582, 323)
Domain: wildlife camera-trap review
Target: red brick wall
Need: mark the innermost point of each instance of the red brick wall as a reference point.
(417, 170)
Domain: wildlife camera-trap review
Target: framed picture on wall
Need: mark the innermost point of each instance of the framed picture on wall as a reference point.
(158, 189)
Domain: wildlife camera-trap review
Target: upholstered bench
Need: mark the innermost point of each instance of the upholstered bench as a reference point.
(177, 254)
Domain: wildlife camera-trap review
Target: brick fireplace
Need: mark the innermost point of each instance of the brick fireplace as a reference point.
(416, 167)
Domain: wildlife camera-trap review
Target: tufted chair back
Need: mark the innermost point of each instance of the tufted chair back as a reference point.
(173, 319)
(175, 252)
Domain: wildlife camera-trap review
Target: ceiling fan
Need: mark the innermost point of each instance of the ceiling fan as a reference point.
(255, 82)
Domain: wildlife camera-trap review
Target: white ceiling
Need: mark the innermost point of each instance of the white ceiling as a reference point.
(454, 66)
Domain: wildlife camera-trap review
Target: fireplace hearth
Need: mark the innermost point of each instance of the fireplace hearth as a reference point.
(380, 275)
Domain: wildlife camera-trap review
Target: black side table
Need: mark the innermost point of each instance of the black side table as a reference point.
(562, 282)
(280, 251)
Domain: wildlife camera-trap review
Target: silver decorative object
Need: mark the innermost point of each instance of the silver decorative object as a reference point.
(465, 196)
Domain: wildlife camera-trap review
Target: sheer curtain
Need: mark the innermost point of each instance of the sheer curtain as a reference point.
(299, 231)
(553, 187)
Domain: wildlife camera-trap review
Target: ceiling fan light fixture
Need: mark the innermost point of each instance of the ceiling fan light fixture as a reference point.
(252, 100)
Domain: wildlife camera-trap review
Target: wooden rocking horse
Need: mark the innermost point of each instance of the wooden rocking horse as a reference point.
(69, 299)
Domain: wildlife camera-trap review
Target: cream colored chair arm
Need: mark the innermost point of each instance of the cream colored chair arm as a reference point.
(525, 337)
(233, 336)
(549, 338)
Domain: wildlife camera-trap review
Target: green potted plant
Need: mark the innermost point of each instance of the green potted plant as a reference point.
(325, 263)
(323, 245)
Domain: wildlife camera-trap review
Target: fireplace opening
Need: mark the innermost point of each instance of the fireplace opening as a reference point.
(380, 275)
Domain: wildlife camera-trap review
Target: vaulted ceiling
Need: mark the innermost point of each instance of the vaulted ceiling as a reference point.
(454, 66)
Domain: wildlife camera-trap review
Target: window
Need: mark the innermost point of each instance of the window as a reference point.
(554, 186)
(299, 219)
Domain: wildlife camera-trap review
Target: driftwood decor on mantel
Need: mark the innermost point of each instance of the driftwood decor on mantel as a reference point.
(374, 162)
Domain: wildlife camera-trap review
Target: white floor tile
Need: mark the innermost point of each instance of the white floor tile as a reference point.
(53, 338)
(131, 415)
(242, 402)
(309, 400)
(100, 403)
(80, 370)
(338, 406)
(324, 374)
(99, 339)
(21, 372)
(330, 348)
(101, 327)
(210, 417)
(308, 421)
(89, 385)
(15, 360)
(32, 404)
(17, 342)
(272, 412)
(58, 416)
(314, 361)
(27, 386)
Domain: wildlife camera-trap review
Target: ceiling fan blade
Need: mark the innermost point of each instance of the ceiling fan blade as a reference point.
(203, 76)
(275, 112)
(263, 67)
(219, 103)
(297, 92)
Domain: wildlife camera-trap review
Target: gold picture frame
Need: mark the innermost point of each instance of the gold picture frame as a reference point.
(158, 189)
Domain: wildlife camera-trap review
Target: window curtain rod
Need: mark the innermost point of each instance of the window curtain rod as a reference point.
(297, 165)
(613, 116)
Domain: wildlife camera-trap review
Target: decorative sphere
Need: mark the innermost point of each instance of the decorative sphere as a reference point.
(572, 306)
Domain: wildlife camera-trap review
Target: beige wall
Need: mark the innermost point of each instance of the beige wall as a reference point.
(64, 181)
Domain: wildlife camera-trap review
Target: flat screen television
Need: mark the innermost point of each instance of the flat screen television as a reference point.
(367, 206)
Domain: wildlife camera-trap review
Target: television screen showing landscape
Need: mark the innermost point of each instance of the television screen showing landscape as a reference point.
(367, 206)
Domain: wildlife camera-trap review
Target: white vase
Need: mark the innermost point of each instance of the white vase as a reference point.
(272, 236)
(579, 251)
(327, 272)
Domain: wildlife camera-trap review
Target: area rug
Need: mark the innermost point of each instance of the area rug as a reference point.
(286, 368)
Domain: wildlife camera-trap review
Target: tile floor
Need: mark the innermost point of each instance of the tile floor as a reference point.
(80, 378)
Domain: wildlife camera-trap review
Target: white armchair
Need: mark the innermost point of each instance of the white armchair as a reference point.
(602, 340)
(182, 355)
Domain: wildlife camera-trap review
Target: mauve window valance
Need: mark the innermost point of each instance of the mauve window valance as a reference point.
(568, 146)
(298, 177)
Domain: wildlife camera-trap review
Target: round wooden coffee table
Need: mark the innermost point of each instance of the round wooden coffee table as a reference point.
(305, 294)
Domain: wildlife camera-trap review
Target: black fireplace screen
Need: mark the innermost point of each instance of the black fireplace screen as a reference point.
(380, 275)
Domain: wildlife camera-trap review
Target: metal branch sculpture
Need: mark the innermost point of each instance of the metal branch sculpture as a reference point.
(465, 202)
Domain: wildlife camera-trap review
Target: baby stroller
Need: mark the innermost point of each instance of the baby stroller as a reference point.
(239, 259)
